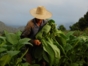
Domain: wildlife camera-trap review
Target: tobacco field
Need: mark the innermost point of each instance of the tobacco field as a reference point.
(59, 48)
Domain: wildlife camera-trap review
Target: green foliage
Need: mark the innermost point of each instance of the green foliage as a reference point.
(86, 17)
(10, 49)
(50, 43)
(75, 26)
(62, 28)
(59, 49)
(82, 23)
(75, 50)
(73, 47)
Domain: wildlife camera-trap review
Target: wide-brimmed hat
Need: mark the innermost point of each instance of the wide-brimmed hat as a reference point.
(40, 12)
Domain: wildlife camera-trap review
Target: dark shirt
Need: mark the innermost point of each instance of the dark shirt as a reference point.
(32, 29)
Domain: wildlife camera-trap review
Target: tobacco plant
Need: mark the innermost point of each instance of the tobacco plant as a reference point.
(11, 53)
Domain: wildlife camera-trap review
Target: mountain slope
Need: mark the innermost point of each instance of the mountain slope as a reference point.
(3, 27)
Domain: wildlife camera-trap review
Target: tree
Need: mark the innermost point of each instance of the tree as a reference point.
(86, 18)
(62, 28)
(75, 26)
(82, 23)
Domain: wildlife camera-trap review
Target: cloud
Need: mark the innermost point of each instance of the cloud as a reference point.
(16, 12)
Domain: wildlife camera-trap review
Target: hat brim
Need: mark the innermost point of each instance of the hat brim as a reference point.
(46, 15)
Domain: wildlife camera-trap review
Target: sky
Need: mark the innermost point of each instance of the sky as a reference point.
(64, 12)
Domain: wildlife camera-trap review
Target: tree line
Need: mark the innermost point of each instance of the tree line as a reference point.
(82, 24)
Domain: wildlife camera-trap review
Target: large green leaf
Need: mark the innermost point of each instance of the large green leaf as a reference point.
(46, 29)
(2, 38)
(56, 51)
(3, 49)
(22, 42)
(49, 51)
(11, 37)
(18, 33)
(13, 53)
(52, 51)
(2, 41)
(61, 40)
(5, 59)
(25, 64)
(60, 37)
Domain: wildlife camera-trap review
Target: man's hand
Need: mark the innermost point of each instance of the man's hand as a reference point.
(36, 42)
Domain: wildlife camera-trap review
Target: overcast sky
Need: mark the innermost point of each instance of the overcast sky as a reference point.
(16, 12)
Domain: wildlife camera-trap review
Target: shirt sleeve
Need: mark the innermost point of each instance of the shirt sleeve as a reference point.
(26, 31)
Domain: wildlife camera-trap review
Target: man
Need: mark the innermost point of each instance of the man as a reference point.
(32, 28)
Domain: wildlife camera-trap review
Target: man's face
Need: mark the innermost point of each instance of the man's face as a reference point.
(39, 20)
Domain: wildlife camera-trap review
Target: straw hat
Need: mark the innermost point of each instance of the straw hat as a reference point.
(40, 12)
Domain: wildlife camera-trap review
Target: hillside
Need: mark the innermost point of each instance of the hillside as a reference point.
(3, 27)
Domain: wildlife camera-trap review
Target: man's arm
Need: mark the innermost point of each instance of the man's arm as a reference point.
(27, 30)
